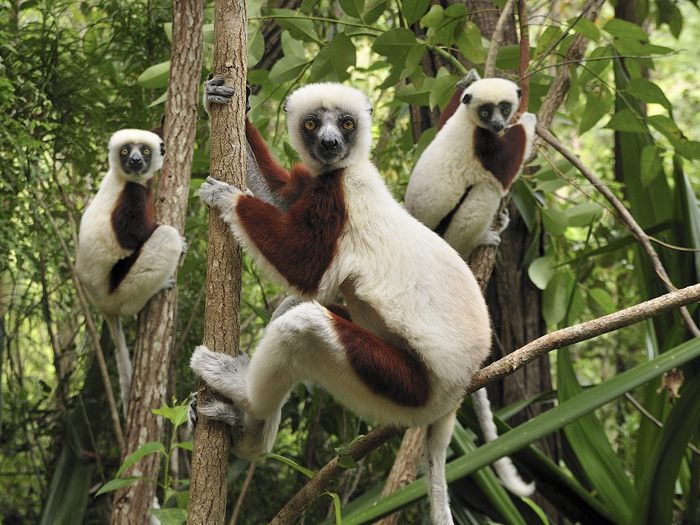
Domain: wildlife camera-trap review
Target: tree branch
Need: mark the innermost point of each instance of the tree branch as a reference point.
(497, 39)
(503, 367)
(625, 217)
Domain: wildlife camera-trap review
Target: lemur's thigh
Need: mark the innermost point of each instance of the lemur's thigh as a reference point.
(474, 217)
(155, 265)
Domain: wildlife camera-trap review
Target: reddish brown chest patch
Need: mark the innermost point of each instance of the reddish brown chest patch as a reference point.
(501, 155)
(301, 241)
(387, 370)
(133, 216)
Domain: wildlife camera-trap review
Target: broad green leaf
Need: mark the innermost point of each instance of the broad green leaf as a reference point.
(534, 429)
(541, 271)
(170, 516)
(308, 473)
(186, 445)
(168, 28)
(160, 100)
(353, 8)
(655, 501)
(177, 414)
(395, 44)
(412, 94)
(470, 43)
(650, 164)
(625, 120)
(299, 27)
(508, 57)
(118, 483)
(586, 28)
(646, 91)
(434, 17)
(592, 448)
(412, 10)
(555, 222)
(547, 40)
(292, 46)
(555, 298)
(345, 459)
(442, 90)
(596, 63)
(144, 450)
(155, 76)
(603, 299)
(287, 68)
(582, 214)
(599, 101)
(625, 30)
(256, 44)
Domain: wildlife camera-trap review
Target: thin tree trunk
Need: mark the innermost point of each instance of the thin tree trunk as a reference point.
(157, 321)
(222, 309)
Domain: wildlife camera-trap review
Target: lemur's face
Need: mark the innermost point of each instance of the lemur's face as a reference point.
(329, 135)
(135, 159)
(491, 103)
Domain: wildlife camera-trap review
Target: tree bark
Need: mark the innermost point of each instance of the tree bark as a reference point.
(153, 350)
(222, 308)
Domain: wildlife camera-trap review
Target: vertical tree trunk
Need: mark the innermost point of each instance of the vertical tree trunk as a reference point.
(157, 320)
(221, 312)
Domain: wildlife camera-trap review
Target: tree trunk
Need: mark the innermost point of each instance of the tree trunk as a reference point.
(157, 321)
(221, 312)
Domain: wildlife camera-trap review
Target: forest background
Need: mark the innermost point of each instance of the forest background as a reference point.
(615, 82)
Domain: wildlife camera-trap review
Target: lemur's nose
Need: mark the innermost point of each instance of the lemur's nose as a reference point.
(135, 162)
(329, 144)
(497, 126)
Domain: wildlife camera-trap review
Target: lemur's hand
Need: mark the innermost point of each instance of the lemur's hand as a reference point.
(215, 92)
(528, 120)
(219, 194)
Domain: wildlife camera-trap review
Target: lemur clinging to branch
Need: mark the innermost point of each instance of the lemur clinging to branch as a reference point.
(123, 256)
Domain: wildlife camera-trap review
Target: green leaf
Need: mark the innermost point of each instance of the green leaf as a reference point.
(547, 40)
(603, 299)
(583, 214)
(337, 506)
(287, 68)
(345, 459)
(534, 429)
(470, 43)
(434, 17)
(186, 445)
(646, 91)
(586, 28)
(170, 516)
(119, 483)
(650, 164)
(625, 30)
(395, 44)
(442, 90)
(598, 104)
(306, 472)
(299, 27)
(177, 414)
(353, 8)
(144, 450)
(508, 57)
(541, 271)
(256, 44)
(597, 62)
(412, 10)
(592, 448)
(155, 76)
(159, 100)
(625, 120)
(555, 298)
(554, 221)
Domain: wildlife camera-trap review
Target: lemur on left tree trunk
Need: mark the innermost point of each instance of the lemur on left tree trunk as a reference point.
(419, 326)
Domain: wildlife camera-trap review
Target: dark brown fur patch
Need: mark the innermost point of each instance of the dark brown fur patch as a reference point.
(133, 219)
(301, 241)
(450, 109)
(340, 310)
(387, 370)
(501, 155)
(120, 270)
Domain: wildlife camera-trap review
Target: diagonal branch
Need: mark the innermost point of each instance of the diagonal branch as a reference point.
(625, 217)
(503, 367)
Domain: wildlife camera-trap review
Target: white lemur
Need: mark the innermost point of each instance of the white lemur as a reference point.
(419, 326)
(459, 180)
(123, 256)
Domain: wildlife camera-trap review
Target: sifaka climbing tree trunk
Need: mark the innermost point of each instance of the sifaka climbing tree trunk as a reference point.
(221, 313)
(153, 350)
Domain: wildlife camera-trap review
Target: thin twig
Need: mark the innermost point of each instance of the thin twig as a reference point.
(497, 39)
(503, 367)
(242, 494)
(626, 218)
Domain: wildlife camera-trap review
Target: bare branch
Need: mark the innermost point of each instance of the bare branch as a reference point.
(497, 39)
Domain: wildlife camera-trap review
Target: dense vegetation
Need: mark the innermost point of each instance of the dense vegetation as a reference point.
(71, 73)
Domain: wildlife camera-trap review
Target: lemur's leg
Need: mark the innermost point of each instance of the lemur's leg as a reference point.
(471, 223)
(152, 271)
(308, 342)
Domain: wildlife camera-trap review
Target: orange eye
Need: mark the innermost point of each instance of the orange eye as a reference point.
(348, 124)
(310, 124)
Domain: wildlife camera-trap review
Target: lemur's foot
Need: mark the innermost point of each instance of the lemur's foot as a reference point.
(169, 284)
(528, 119)
(502, 220)
(213, 409)
(491, 238)
(218, 194)
(215, 92)
(184, 246)
(225, 374)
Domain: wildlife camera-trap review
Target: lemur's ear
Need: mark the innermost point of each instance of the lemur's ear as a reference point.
(468, 79)
(520, 92)
(284, 106)
(467, 98)
(162, 149)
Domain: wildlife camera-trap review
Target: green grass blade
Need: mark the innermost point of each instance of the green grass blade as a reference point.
(536, 428)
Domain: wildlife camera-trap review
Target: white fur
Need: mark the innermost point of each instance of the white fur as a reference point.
(98, 250)
(448, 167)
(401, 282)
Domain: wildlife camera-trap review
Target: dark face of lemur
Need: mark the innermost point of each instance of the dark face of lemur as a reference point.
(135, 159)
(329, 135)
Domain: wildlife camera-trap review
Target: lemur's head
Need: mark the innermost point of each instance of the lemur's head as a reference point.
(135, 154)
(490, 102)
(329, 125)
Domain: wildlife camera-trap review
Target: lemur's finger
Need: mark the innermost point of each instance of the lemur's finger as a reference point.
(224, 91)
(215, 80)
(215, 99)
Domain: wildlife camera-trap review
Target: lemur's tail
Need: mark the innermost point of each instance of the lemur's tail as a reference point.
(114, 324)
(436, 442)
(504, 467)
